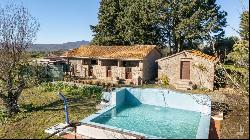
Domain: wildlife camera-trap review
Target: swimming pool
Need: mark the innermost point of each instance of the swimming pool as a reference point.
(155, 113)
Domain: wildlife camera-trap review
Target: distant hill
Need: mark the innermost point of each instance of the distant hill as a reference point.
(56, 47)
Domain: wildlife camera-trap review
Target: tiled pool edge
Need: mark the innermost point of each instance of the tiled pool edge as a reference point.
(203, 127)
(113, 104)
(100, 112)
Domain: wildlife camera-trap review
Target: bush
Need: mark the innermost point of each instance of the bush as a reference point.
(67, 78)
(220, 79)
(164, 80)
(88, 91)
(74, 92)
(85, 91)
(240, 75)
(59, 86)
(3, 116)
(47, 86)
(68, 88)
(200, 88)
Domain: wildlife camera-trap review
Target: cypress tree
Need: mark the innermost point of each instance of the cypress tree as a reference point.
(140, 23)
(105, 31)
(244, 25)
(127, 22)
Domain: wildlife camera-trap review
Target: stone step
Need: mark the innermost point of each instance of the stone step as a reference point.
(177, 84)
(183, 87)
(183, 82)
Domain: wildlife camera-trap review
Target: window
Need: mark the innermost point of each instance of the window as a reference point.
(85, 61)
(130, 64)
(109, 62)
(93, 62)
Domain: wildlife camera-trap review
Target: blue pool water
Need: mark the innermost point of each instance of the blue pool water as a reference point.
(153, 120)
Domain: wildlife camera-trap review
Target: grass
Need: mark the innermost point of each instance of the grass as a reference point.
(41, 110)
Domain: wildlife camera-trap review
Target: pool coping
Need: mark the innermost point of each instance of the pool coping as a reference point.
(87, 121)
(202, 131)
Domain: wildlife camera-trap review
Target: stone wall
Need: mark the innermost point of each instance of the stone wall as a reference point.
(76, 64)
(117, 72)
(141, 69)
(99, 71)
(150, 66)
(170, 67)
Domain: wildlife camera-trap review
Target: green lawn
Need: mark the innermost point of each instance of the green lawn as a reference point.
(40, 110)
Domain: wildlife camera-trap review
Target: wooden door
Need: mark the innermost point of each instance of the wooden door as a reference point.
(185, 69)
(90, 71)
(128, 73)
(109, 72)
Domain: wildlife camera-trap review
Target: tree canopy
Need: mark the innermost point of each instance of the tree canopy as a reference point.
(244, 25)
(178, 24)
(127, 22)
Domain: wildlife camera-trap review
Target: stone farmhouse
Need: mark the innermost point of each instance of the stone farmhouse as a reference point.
(188, 69)
(130, 64)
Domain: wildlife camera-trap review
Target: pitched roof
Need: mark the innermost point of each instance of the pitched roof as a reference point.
(194, 53)
(203, 55)
(110, 52)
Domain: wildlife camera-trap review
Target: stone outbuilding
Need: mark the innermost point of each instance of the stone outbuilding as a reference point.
(188, 69)
(131, 64)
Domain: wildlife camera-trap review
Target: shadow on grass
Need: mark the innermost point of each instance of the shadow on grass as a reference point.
(58, 105)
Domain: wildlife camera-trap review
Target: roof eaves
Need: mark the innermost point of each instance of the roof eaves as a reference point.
(209, 58)
(72, 57)
(167, 57)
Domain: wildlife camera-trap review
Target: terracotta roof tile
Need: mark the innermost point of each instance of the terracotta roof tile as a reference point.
(203, 55)
(194, 53)
(114, 52)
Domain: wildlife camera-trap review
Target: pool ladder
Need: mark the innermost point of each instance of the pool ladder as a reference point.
(164, 98)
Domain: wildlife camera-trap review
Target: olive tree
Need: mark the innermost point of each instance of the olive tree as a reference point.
(18, 31)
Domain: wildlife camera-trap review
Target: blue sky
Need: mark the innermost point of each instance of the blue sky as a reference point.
(68, 20)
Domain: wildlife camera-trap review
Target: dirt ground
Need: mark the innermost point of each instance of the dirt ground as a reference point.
(235, 124)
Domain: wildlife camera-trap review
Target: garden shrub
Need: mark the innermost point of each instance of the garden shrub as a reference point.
(240, 75)
(69, 88)
(3, 116)
(164, 80)
(67, 78)
(74, 92)
(220, 80)
(84, 91)
(59, 86)
(47, 86)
